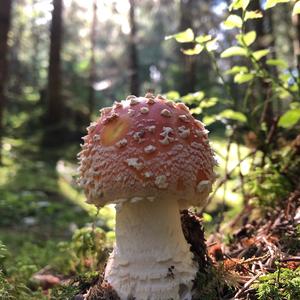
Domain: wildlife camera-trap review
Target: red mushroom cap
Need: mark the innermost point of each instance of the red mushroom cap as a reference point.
(146, 148)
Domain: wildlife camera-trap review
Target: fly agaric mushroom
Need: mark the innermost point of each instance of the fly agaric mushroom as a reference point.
(151, 158)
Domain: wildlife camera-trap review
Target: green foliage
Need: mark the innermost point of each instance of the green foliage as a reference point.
(14, 277)
(237, 4)
(289, 118)
(277, 62)
(31, 199)
(234, 51)
(87, 251)
(243, 77)
(37, 199)
(182, 37)
(247, 39)
(38, 193)
(233, 115)
(253, 14)
(212, 280)
(202, 39)
(268, 185)
(12, 290)
(259, 54)
(272, 3)
(195, 51)
(254, 70)
(236, 70)
(233, 21)
(29, 258)
(283, 284)
(3, 254)
(207, 283)
(193, 98)
(85, 254)
(65, 292)
(78, 285)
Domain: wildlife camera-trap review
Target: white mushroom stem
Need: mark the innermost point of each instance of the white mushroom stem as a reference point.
(151, 259)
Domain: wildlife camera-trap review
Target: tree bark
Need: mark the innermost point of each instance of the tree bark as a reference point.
(92, 75)
(189, 63)
(5, 19)
(296, 21)
(55, 105)
(265, 89)
(133, 53)
(35, 45)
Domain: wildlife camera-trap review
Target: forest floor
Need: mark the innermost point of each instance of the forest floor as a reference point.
(40, 209)
(49, 235)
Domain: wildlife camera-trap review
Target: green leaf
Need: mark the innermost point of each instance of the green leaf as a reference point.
(212, 45)
(173, 95)
(290, 118)
(285, 78)
(282, 93)
(209, 102)
(237, 69)
(294, 105)
(280, 63)
(243, 77)
(296, 9)
(182, 37)
(233, 21)
(260, 54)
(207, 218)
(196, 110)
(192, 98)
(207, 120)
(234, 51)
(253, 14)
(272, 3)
(233, 115)
(201, 39)
(294, 87)
(82, 66)
(245, 4)
(247, 38)
(237, 4)
(196, 50)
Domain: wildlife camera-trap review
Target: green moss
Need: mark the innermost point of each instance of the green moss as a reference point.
(206, 284)
(86, 252)
(212, 282)
(78, 285)
(284, 284)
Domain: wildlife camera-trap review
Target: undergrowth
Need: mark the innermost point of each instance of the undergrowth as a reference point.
(283, 284)
(81, 260)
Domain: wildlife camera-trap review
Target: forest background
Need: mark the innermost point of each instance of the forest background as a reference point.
(234, 63)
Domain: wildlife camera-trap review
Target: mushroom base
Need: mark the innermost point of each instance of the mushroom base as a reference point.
(151, 259)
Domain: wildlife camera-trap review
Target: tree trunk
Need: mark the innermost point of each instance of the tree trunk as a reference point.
(265, 89)
(35, 45)
(296, 21)
(189, 63)
(133, 55)
(277, 106)
(5, 18)
(16, 67)
(92, 75)
(55, 105)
